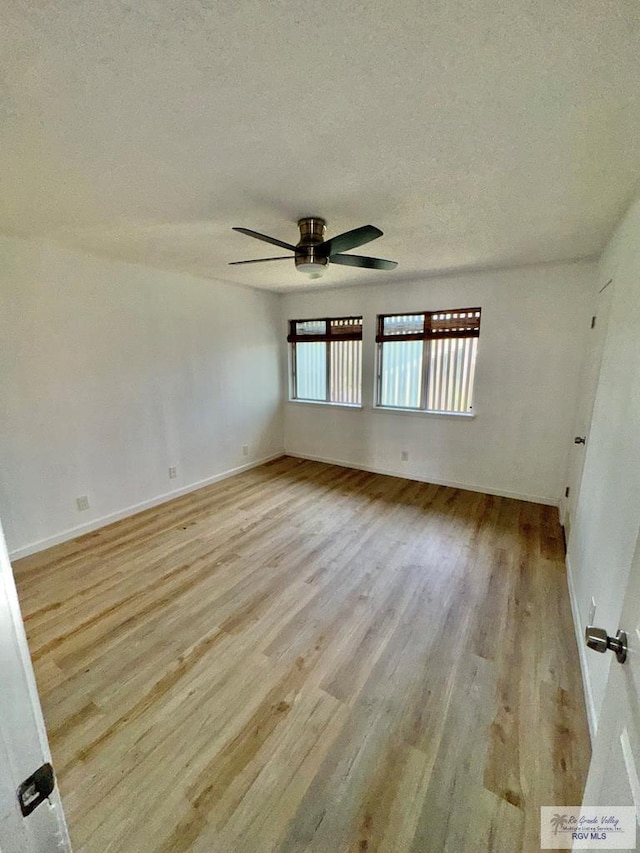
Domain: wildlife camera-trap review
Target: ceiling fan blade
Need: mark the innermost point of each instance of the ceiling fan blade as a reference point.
(359, 261)
(266, 239)
(349, 240)
(260, 260)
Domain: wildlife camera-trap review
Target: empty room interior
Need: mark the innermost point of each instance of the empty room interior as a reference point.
(319, 423)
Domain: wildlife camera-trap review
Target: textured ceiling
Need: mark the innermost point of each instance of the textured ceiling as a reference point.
(474, 134)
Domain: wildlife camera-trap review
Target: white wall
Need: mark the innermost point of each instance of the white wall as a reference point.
(534, 323)
(607, 517)
(113, 372)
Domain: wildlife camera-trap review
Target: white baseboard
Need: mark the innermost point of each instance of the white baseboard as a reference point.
(582, 654)
(96, 523)
(405, 475)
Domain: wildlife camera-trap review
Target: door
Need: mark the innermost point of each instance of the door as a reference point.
(614, 774)
(588, 384)
(23, 740)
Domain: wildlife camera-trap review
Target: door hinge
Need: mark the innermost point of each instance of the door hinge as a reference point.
(566, 492)
(36, 789)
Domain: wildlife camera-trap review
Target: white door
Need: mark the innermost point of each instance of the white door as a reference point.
(24, 748)
(614, 774)
(588, 384)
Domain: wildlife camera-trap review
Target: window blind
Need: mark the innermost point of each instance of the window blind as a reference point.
(429, 325)
(325, 330)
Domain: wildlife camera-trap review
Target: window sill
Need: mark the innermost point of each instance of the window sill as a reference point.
(421, 412)
(356, 406)
(383, 409)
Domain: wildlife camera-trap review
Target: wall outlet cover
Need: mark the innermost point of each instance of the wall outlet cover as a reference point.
(82, 503)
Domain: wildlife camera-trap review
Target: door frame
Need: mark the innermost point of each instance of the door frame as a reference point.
(23, 736)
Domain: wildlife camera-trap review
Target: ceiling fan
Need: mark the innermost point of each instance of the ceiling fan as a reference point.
(313, 253)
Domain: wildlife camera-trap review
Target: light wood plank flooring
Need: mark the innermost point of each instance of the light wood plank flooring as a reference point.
(310, 658)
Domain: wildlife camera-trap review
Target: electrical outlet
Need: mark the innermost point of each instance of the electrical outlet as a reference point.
(245, 449)
(173, 472)
(404, 456)
(82, 503)
(592, 611)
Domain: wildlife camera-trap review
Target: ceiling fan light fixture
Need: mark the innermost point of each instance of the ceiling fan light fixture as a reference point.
(312, 269)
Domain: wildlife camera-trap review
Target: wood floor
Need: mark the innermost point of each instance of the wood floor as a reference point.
(310, 658)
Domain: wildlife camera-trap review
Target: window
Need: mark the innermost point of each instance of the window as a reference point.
(427, 360)
(326, 360)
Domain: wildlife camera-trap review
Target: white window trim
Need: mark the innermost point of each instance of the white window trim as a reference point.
(330, 403)
(397, 410)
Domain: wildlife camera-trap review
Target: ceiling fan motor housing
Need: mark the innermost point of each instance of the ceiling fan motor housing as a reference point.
(312, 231)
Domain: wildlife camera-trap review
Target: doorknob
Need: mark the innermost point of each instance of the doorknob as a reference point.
(598, 640)
(580, 439)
